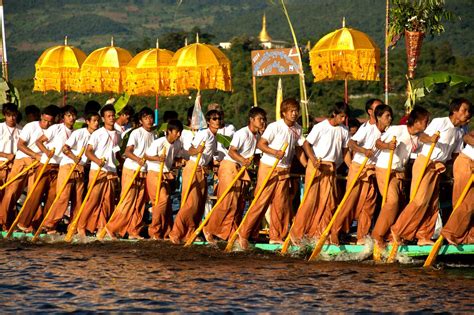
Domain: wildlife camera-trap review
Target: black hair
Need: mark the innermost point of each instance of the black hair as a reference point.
(51, 110)
(417, 113)
(145, 111)
(175, 124)
(255, 111)
(353, 122)
(92, 106)
(287, 104)
(370, 102)
(456, 104)
(88, 116)
(107, 108)
(190, 111)
(68, 109)
(380, 109)
(170, 114)
(213, 112)
(32, 110)
(339, 108)
(127, 110)
(10, 109)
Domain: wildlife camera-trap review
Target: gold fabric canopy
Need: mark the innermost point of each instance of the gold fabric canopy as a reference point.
(58, 69)
(104, 70)
(345, 54)
(200, 67)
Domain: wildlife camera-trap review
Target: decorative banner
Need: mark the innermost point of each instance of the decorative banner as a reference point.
(275, 62)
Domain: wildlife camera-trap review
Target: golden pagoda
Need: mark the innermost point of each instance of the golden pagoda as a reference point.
(263, 36)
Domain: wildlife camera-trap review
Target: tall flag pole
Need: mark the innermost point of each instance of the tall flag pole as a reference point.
(4, 44)
(387, 21)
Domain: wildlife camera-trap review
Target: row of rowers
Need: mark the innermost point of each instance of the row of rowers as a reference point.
(326, 147)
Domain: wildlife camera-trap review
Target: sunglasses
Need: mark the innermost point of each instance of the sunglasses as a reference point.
(216, 118)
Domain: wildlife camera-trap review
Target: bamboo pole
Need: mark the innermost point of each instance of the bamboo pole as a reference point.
(28, 196)
(26, 169)
(58, 195)
(231, 241)
(387, 21)
(254, 88)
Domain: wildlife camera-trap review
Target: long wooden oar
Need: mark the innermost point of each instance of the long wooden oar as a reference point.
(324, 236)
(4, 163)
(231, 241)
(188, 189)
(436, 247)
(23, 171)
(160, 177)
(28, 196)
(376, 253)
(284, 248)
(193, 236)
(58, 194)
(73, 226)
(395, 244)
(102, 232)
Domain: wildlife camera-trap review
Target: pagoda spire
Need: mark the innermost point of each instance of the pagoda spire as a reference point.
(263, 36)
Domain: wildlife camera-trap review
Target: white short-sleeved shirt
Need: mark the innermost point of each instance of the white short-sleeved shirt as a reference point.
(245, 142)
(78, 140)
(57, 136)
(122, 130)
(328, 141)
(406, 143)
(229, 131)
(366, 136)
(469, 151)
(450, 139)
(186, 140)
(209, 148)
(141, 140)
(9, 139)
(156, 148)
(105, 143)
(277, 134)
(30, 133)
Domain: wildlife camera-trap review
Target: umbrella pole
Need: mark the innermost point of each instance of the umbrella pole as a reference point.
(156, 109)
(346, 94)
(387, 8)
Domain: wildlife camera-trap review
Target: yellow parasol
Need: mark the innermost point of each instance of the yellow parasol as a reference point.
(104, 70)
(58, 69)
(200, 67)
(345, 54)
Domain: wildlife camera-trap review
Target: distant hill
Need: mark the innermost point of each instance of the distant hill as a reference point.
(33, 25)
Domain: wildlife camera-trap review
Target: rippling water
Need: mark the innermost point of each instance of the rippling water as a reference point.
(157, 276)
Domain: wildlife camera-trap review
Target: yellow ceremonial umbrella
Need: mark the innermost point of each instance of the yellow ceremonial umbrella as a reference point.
(58, 69)
(200, 67)
(345, 54)
(104, 70)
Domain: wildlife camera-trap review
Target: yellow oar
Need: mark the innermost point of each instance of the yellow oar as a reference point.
(102, 232)
(188, 189)
(4, 163)
(231, 241)
(28, 196)
(73, 226)
(193, 236)
(435, 249)
(160, 177)
(58, 194)
(376, 252)
(324, 236)
(26, 169)
(395, 244)
(286, 244)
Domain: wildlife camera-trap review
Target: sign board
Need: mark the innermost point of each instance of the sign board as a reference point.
(275, 62)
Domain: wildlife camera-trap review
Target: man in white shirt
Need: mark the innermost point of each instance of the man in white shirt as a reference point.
(418, 219)
(162, 214)
(326, 147)
(103, 149)
(276, 191)
(460, 229)
(190, 214)
(122, 123)
(74, 189)
(10, 133)
(128, 215)
(361, 202)
(225, 218)
(406, 143)
(53, 138)
(27, 153)
(227, 130)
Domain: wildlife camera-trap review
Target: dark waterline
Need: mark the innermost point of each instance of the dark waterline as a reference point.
(157, 276)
